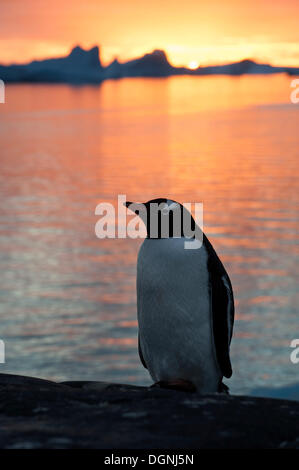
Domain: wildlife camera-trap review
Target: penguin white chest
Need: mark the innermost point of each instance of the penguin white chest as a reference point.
(174, 313)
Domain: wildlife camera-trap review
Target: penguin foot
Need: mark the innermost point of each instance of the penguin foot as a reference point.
(223, 388)
(178, 384)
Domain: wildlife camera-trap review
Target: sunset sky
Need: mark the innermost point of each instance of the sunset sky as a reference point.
(190, 31)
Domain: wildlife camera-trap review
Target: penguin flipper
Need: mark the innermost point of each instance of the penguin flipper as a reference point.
(222, 300)
(223, 318)
(140, 353)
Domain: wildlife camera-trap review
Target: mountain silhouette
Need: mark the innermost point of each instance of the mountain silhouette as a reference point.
(84, 66)
(80, 66)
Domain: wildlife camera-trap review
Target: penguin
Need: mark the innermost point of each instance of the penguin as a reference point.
(185, 304)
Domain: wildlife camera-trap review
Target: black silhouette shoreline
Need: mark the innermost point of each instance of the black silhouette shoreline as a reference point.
(85, 67)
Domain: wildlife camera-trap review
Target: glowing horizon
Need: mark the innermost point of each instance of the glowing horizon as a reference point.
(221, 31)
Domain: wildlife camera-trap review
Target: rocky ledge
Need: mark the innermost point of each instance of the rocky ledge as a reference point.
(37, 413)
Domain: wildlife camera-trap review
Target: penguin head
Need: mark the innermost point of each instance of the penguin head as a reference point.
(164, 218)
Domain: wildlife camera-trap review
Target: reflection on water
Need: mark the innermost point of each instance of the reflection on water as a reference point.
(68, 304)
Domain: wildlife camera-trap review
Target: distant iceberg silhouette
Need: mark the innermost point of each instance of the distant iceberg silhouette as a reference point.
(84, 66)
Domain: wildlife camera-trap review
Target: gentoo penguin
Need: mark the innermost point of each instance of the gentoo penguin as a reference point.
(185, 305)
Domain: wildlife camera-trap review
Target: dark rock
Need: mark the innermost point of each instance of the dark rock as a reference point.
(38, 413)
(288, 392)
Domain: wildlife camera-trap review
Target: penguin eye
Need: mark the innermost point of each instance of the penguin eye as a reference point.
(137, 212)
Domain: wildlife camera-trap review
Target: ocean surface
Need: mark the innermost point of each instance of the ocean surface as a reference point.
(67, 298)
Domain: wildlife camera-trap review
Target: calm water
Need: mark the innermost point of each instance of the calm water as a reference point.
(68, 302)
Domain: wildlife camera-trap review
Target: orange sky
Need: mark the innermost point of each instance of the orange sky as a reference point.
(203, 32)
